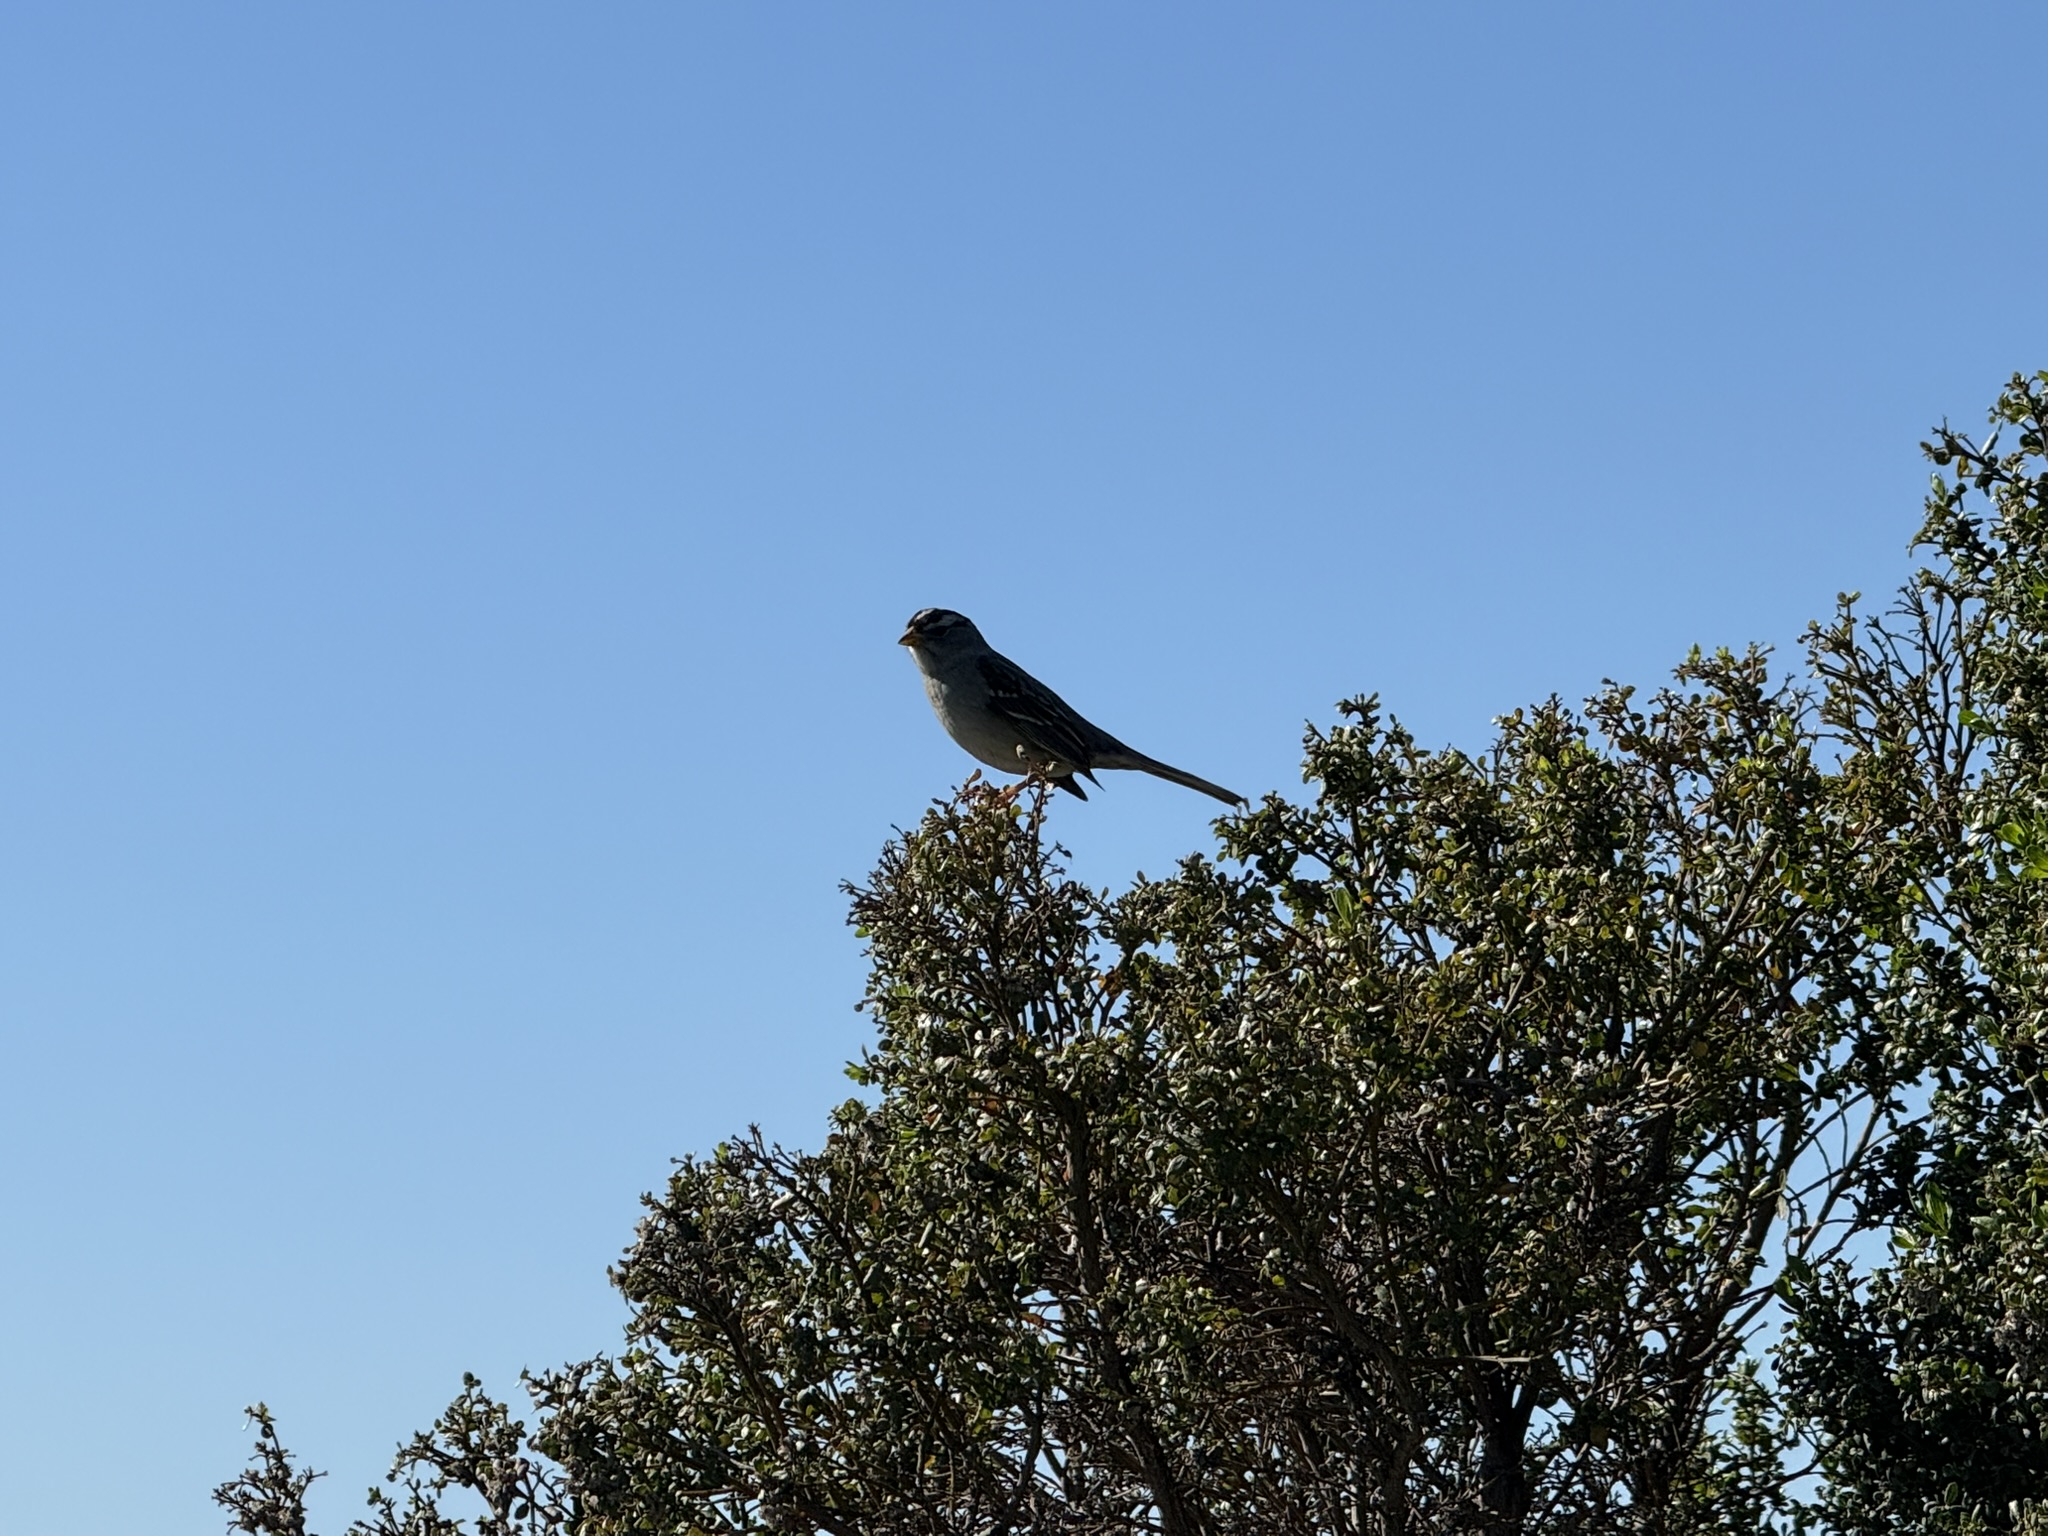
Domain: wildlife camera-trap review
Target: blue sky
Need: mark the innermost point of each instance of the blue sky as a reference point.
(464, 469)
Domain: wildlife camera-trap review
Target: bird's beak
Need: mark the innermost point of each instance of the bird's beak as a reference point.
(909, 637)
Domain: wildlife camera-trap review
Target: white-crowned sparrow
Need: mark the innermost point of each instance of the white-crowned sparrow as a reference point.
(1009, 719)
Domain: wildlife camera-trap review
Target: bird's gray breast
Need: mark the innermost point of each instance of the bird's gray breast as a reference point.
(961, 703)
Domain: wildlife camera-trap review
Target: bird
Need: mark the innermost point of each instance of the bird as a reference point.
(1010, 720)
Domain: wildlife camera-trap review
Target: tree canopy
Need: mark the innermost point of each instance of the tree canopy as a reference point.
(1633, 1127)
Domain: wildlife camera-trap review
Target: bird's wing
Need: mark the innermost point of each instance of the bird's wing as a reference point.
(1039, 715)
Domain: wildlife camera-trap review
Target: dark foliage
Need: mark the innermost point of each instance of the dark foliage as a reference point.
(1926, 1383)
(1437, 1158)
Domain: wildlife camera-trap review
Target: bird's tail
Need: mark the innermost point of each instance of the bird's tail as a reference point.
(1126, 758)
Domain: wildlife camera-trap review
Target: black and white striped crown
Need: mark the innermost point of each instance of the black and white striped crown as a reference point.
(931, 622)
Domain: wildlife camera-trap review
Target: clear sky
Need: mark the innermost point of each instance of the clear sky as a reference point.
(463, 469)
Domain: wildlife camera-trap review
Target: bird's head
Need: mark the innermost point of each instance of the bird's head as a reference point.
(937, 628)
